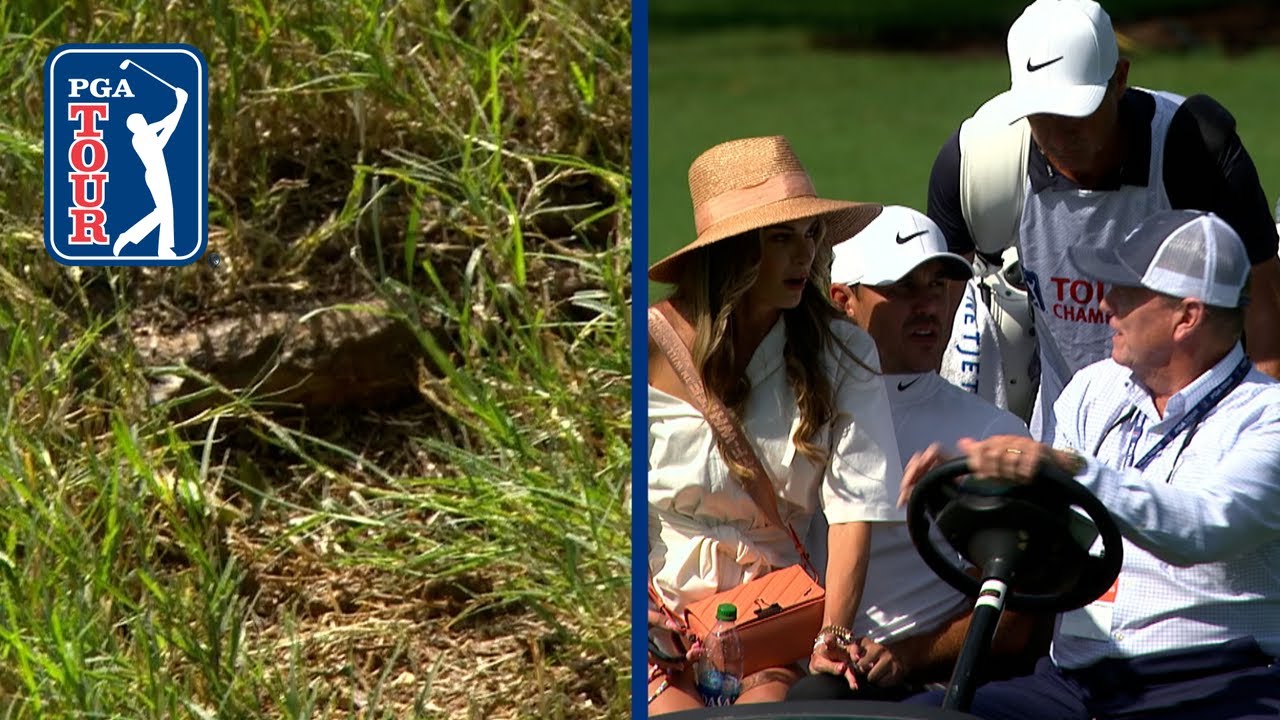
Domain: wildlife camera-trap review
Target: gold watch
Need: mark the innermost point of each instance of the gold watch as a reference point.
(1071, 461)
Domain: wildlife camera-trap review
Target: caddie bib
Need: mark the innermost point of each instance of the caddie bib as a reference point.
(1071, 327)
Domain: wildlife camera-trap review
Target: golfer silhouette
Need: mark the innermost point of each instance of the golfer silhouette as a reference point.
(149, 142)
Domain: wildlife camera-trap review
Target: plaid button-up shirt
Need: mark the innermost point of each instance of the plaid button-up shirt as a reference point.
(1201, 522)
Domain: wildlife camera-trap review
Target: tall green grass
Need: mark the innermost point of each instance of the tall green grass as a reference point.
(463, 164)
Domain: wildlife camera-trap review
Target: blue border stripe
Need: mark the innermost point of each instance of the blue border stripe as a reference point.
(639, 354)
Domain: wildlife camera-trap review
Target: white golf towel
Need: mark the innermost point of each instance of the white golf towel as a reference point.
(972, 358)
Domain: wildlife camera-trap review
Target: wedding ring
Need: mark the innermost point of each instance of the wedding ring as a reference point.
(1013, 451)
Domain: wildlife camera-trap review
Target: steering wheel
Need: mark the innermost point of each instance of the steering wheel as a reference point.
(1031, 533)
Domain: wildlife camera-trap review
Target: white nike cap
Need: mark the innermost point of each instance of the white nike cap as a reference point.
(898, 241)
(1062, 53)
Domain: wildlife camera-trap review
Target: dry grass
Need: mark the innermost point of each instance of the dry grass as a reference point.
(460, 554)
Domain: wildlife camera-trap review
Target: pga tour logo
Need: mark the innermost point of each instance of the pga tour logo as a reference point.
(126, 156)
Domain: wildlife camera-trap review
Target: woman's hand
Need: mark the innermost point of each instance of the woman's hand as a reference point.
(659, 620)
(879, 664)
(833, 659)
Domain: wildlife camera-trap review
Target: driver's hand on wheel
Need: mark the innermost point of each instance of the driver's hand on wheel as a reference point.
(1010, 457)
(834, 659)
(879, 665)
(919, 464)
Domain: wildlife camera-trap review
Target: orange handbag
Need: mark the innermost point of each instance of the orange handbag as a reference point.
(780, 613)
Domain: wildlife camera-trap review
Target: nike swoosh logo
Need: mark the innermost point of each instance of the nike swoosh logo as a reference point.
(901, 239)
(902, 386)
(1033, 68)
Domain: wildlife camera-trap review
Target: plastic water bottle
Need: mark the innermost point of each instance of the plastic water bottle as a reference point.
(719, 672)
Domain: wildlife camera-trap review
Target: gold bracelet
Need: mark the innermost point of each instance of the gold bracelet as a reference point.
(841, 634)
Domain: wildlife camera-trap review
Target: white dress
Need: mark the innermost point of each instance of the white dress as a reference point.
(705, 533)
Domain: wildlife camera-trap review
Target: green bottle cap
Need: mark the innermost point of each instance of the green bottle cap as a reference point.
(727, 611)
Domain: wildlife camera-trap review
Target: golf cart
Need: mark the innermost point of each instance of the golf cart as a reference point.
(1032, 544)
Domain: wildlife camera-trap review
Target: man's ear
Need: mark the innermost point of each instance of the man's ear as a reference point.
(1122, 75)
(1191, 317)
(842, 297)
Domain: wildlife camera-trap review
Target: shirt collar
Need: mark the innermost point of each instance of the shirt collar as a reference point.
(1185, 399)
(908, 386)
(767, 357)
(1137, 108)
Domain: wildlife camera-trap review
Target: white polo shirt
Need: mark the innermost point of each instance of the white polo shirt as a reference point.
(902, 596)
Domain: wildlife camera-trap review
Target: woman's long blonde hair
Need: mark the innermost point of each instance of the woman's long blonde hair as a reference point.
(712, 286)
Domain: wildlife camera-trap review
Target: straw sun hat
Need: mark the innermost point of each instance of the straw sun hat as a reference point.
(753, 183)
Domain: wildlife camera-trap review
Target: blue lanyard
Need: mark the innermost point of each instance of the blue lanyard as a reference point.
(1136, 423)
(1188, 421)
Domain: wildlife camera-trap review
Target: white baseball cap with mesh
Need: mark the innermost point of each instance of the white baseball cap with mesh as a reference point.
(891, 246)
(1183, 253)
(1062, 54)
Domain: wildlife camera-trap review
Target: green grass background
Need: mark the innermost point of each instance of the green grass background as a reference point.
(868, 124)
(876, 17)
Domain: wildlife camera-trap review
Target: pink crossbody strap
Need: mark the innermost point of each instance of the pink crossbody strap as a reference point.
(758, 485)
